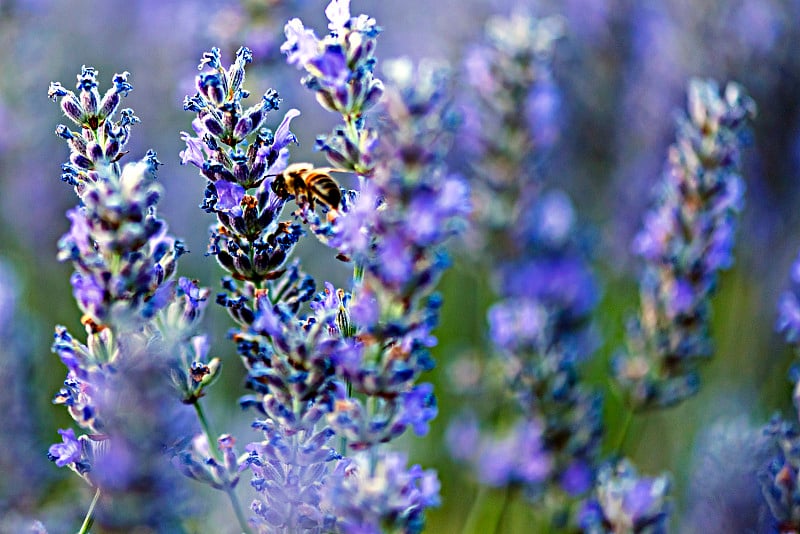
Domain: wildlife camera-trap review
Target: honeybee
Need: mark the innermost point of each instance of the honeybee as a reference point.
(309, 184)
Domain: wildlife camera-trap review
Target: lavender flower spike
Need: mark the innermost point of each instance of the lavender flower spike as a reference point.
(340, 72)
(779, 480)
(286, 352)
(143, 362)
(686, 241)
(531, 240)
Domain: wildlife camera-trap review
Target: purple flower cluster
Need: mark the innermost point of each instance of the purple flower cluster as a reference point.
(780, 482)
(286, 351)
(121, 250)
(517, 458)
(533, 245)
(361, 352)
(237, 154)
(340, 72)
(376, 497)
(143, 360)
(686, 241)
(626, 502)
(510, 114)
(24, 474)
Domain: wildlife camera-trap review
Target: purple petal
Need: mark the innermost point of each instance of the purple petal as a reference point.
(229, 195)
(282, 135)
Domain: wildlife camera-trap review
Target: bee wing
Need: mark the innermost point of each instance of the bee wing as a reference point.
(331, 169)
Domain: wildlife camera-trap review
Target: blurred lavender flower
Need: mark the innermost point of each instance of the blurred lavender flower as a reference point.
(789, 307)
(779, 478)
(510, 115)
(686, 241)
(540, 331)
(743, 40)
(407, 207)
(531, 242)
(518, 458)
(625, 503)
(418, 111)
(24, 475)
(722, 496)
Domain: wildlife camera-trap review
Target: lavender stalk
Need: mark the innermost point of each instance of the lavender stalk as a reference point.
(687, 240)
(142, 349)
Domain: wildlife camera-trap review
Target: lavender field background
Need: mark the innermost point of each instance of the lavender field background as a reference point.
(619, 76)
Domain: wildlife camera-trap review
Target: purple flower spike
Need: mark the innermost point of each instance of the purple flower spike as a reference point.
(534, 251)
(686, 240)
(141, 361)
(340, 71)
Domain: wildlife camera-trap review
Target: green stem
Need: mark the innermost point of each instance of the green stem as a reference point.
(116, 264)
(237, 509)
(373, 451)
(507, 496)
(350, 129)
(358, 275)
(212, 446)
(274, 299)
(212, 443)
(343, 442)
(89, 519)
(474, 513)
(626, 425)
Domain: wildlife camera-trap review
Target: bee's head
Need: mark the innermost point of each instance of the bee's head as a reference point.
(279, 186)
